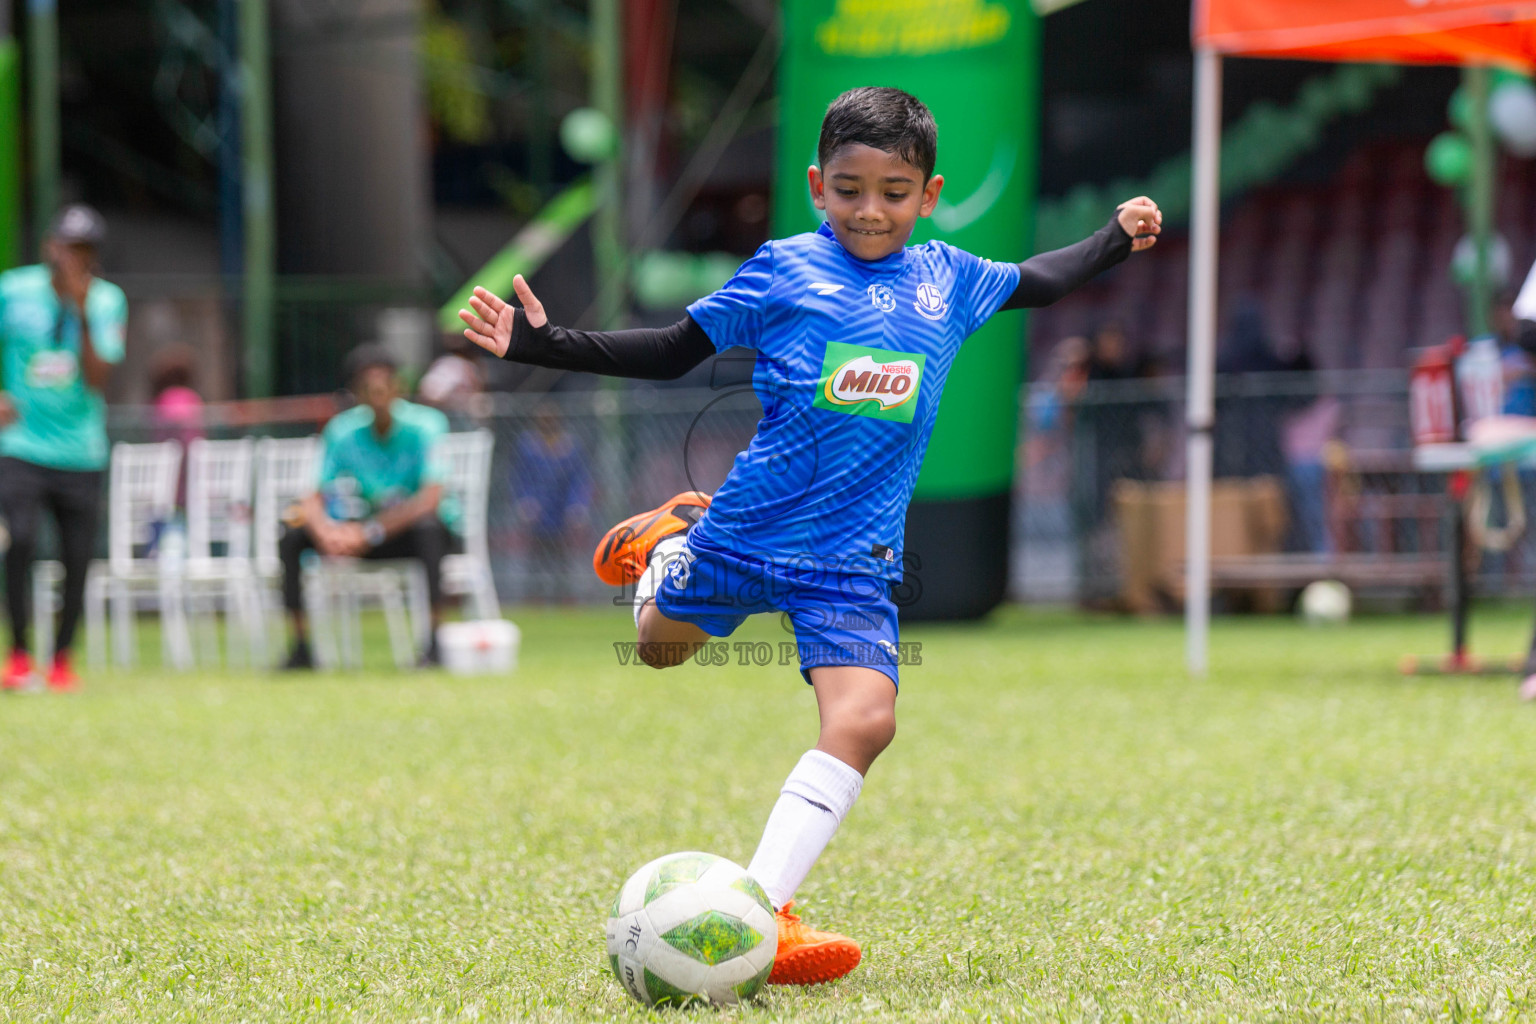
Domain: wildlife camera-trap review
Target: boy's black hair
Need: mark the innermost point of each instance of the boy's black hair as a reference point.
(887, 119)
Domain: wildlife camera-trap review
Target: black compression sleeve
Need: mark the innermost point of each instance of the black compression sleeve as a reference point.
(1047, 277)
(646, 353)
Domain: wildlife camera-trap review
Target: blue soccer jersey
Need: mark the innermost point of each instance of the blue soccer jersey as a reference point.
(851, 359)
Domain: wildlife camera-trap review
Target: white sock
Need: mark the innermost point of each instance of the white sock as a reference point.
(814, 801)
(662, 554)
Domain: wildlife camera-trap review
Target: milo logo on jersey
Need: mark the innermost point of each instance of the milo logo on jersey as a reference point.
(865, 381)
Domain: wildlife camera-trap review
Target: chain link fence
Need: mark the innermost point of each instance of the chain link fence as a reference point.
(1314, 478)
(1310, 467)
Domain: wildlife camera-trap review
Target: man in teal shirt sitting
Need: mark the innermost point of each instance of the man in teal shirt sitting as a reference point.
(61, 332)
(378, 495)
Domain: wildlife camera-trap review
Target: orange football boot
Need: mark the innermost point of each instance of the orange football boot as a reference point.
(622, 554)
(809, 957)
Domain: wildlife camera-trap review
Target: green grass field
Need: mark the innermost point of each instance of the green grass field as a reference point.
(1067, 828)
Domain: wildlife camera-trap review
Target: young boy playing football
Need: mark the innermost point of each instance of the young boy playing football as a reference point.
(855, 333)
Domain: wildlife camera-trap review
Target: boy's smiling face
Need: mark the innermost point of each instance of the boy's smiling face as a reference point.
(872, 199)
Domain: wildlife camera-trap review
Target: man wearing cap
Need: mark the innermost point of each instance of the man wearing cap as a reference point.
(61, 332)
(378, 494)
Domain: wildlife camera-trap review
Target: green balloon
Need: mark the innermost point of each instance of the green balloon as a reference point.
(1449, 159)
(587, 134)
(1459, 110)
(1503, 76)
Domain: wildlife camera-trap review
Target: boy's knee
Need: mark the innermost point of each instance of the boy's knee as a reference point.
(871, 726)
(657, 654)
(880, 727)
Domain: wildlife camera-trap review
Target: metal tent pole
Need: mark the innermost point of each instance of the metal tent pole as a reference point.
(1201, 414)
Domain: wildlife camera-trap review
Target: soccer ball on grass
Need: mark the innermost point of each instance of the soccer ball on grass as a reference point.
(691, 926)
(1325, 602)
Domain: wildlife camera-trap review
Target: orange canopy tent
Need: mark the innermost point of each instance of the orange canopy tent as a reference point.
(1396, 31)
(1468, 32)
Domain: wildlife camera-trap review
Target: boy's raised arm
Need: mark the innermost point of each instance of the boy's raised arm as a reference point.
(526, 336)
(1047, 277)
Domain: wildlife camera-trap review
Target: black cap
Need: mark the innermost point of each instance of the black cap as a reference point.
(365, 357)
(78, 224)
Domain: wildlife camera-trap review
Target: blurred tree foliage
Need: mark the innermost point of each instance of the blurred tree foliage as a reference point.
(456, 101)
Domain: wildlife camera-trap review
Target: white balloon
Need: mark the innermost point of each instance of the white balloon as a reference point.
(1501, 260)
(1512, 112)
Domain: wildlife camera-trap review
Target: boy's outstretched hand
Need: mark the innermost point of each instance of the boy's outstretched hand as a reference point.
(1142, 220)
(492, 329)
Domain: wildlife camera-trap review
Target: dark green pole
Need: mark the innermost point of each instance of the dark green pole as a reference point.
(608, 222)
(10, 143)
(605, 32)
(43, 85)
(1480, 198)
(256, 189)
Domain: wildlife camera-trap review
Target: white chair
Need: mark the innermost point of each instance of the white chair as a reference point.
(47, 577)
(218, 566)
(141, 498)
(466, 461)
(342, 585)
(286, 472)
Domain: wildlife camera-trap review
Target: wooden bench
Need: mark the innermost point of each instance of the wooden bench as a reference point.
(1359, 571)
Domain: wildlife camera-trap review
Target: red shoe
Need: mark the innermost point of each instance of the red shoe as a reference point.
(18, 672)
(622, 554)
(809, 957)
(62, 678)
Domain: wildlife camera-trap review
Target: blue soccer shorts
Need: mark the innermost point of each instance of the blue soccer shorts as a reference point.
(839, 619)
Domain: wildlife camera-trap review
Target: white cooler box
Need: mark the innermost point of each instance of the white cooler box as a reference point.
(482, 647)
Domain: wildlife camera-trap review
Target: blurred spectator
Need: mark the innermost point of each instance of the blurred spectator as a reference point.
(1065, 376)
(61, 333)
(1043, 518)
(454, 380)
(1307, 435)
(177, 404)
(177, 408)
(1111, 357)
(379, 491)
(1120, 432)
(553, 494)
(1107, 442)
(1052, 406)
(1249, 417)
(1518, 365)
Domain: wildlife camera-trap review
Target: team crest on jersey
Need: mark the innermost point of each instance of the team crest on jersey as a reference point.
(864, 381)
(930, 301)
(680, 568)
(883, 298)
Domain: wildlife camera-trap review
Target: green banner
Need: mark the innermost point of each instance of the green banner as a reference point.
(975, 64)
